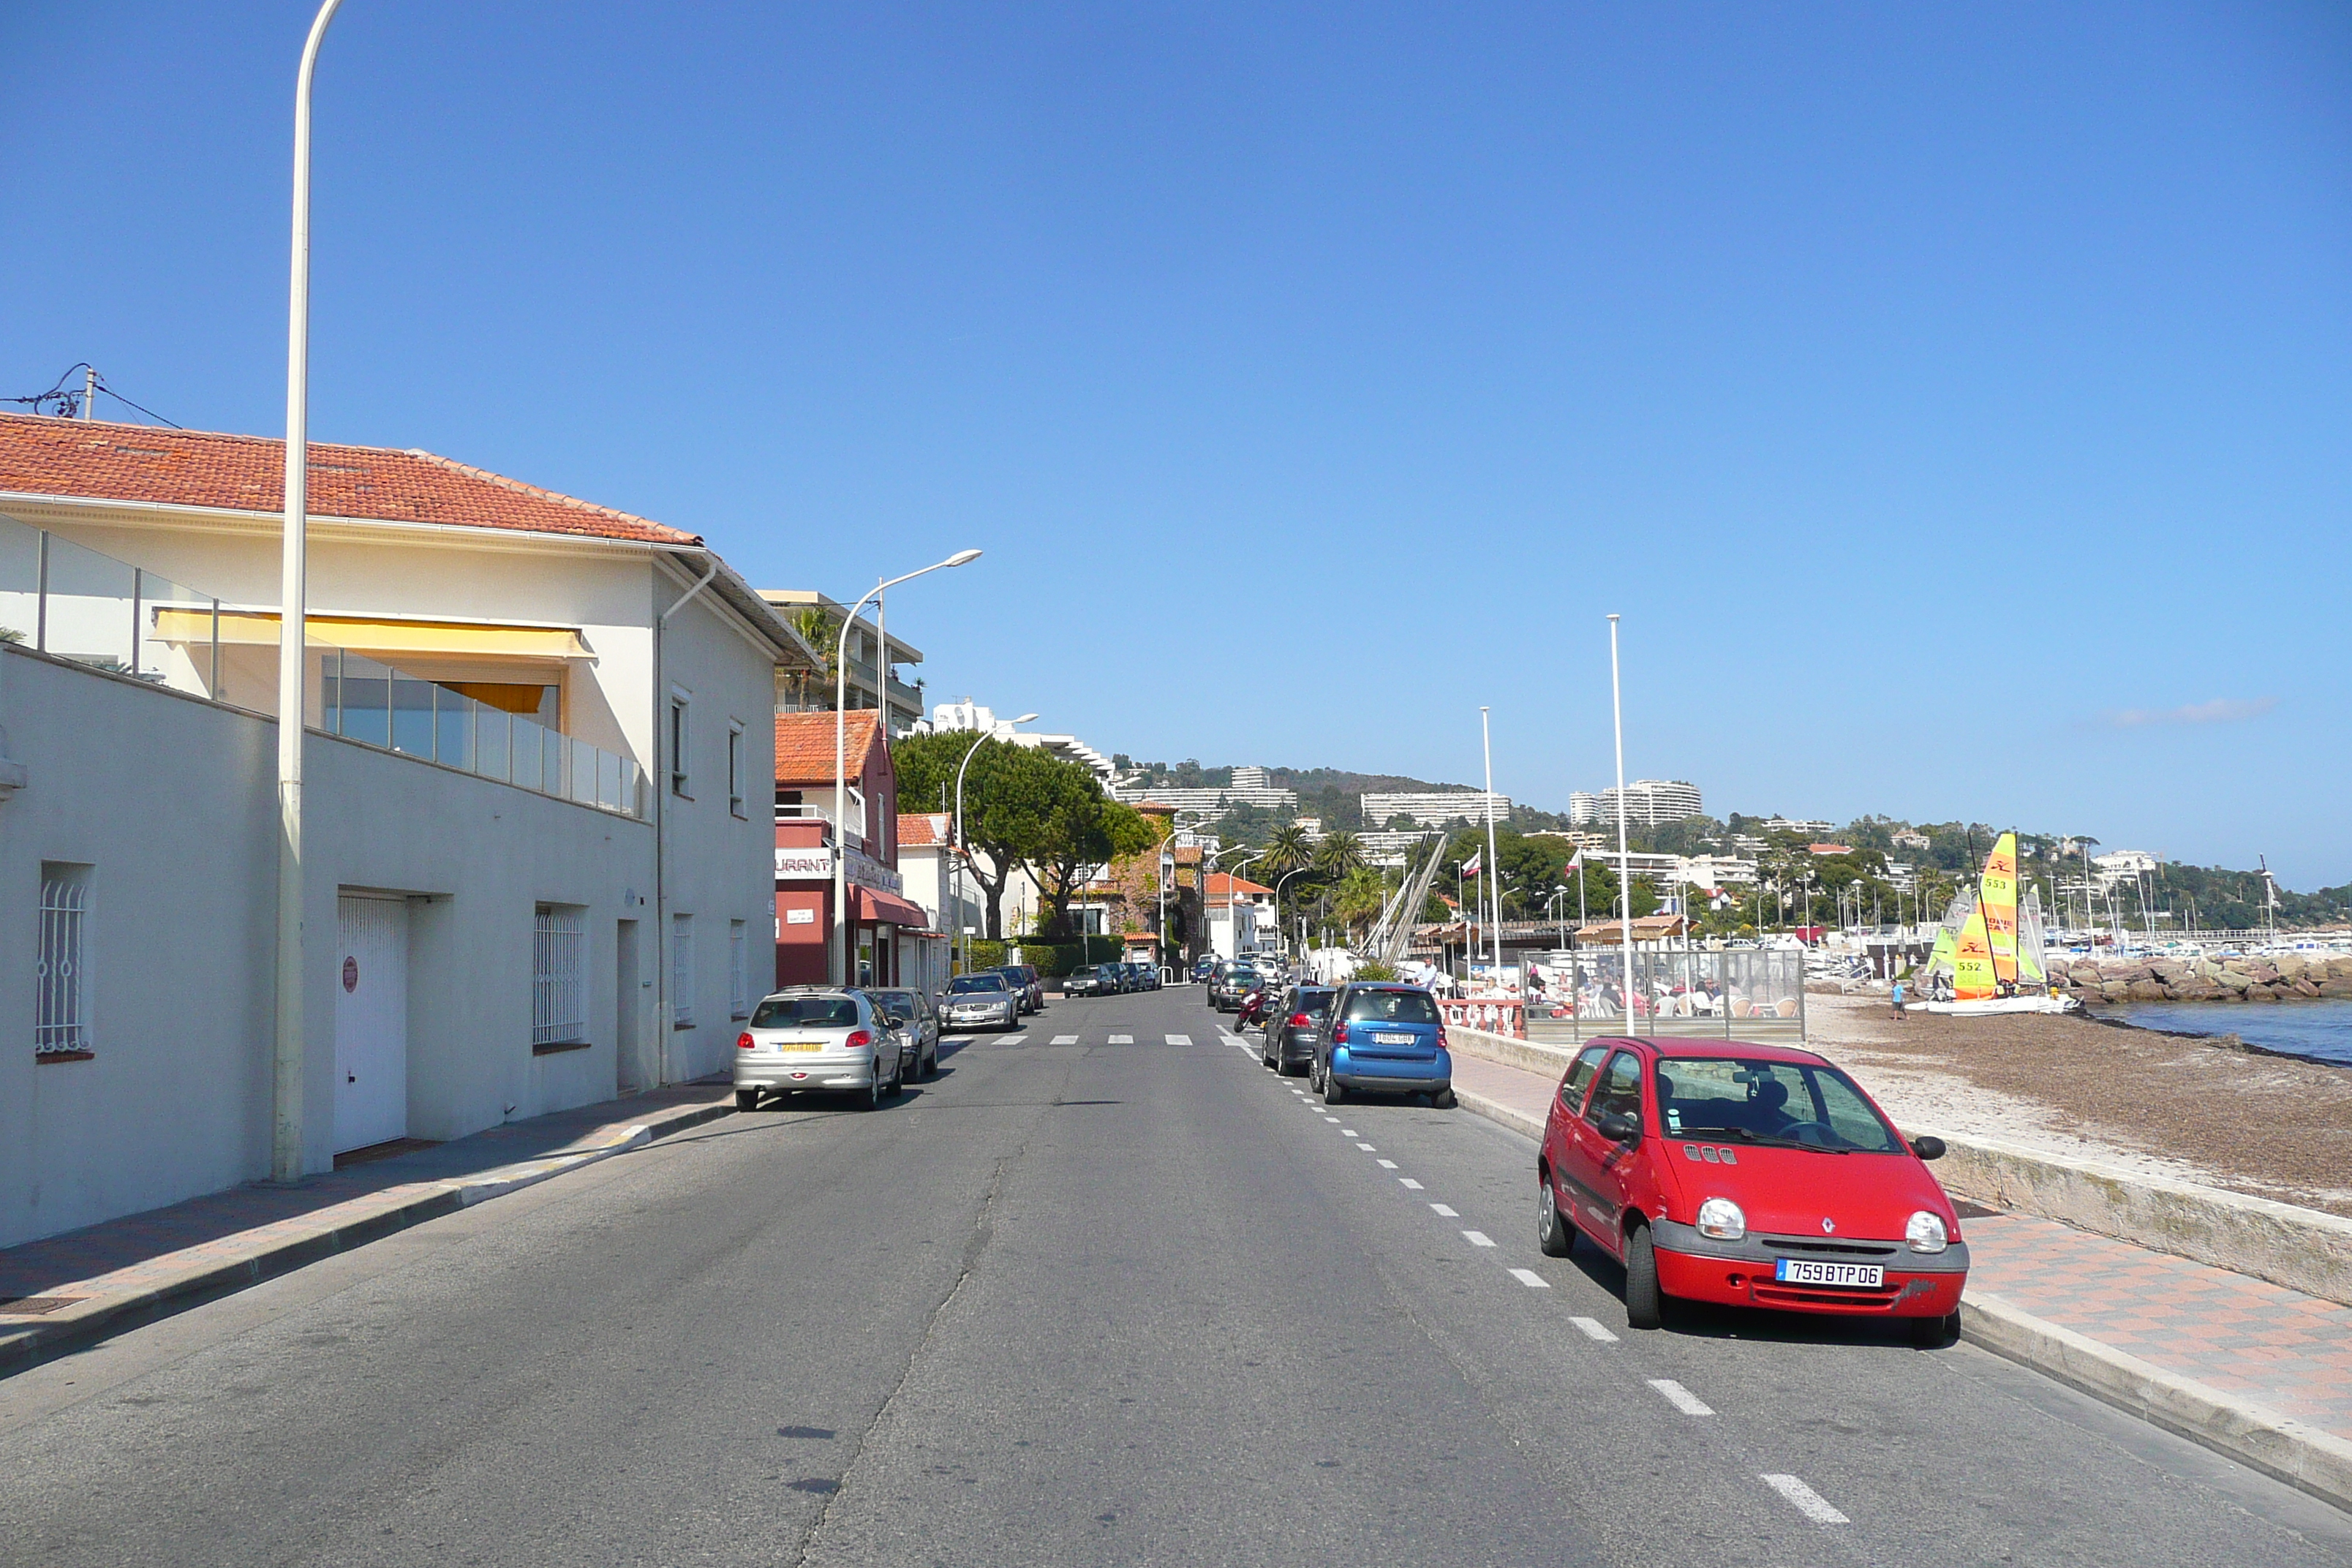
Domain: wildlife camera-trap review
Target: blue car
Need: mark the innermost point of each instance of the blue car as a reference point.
(1384, 1038)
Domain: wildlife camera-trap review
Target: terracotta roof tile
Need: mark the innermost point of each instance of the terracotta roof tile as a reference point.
(805, 746)
(919, 830)
(1221, 884)
(101, 460)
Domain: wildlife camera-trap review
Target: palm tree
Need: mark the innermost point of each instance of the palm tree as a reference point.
(1287, 850)
(1339, 854)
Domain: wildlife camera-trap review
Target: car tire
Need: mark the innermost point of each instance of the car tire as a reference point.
(1935, 1334)
(1645, 1304)
(1333, 1091)
(1554, 1235)
(747, 1100)
(868, 1098)
(1443, 1099)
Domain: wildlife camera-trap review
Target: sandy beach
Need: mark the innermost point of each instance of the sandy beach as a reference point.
(2195, 1110)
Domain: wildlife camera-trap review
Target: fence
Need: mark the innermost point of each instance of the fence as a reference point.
(1751, 993)
(1492, 1014)
(67, 600)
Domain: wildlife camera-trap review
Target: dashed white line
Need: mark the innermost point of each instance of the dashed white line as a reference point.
(1810, 1503)
(1347, 1132)
(1681, 1398)
(1368, 1149)
(1180, 1039)
(1595, 1330)
(1388, 1164)
(1012, 1039)
(1443, 1209)
(1409, 1182)
(1330, 1119)
(1478, 1238)
(1530, 1278)
(1065, 1039)
(1122, 1039)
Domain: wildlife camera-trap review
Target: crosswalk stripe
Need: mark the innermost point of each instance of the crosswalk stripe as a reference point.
(1180, 1039)
(1065, 1039)
(1122, 1039)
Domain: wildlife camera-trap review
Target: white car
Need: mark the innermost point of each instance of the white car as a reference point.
(981, 1001)
(818, 1038)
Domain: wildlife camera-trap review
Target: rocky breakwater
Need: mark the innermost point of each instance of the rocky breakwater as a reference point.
(2281, 977)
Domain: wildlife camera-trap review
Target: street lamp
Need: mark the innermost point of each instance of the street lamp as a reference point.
(1624, 856)
(1278, 882)
(840, 756)
(963, 850)
(286, 1055)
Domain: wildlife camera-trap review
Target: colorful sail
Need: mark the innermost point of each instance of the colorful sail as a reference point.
(1973, 970)
(1998, 905)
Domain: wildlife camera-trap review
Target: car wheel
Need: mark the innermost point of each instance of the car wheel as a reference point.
(747, 1100)
(1645, 1304)
(1332, 1092)
(1935, 1334)
(1443, 1099)
(868, 1098)
(1553, 1233)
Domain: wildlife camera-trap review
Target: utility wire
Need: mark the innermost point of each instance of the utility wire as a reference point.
(69, 403)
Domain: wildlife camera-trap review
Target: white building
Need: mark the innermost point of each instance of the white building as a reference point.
(1239, 915)
(1248, 788)
(967, 716)
(537, 840)
(1804, 827)
(1649, 802)
(870, 678)
(1434, 809)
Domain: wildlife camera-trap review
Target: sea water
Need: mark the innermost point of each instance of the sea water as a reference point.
(2321, 1030)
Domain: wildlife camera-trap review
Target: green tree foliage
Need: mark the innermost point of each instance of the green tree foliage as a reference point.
(1081, 828)
(1015, 803)
(1339, 856)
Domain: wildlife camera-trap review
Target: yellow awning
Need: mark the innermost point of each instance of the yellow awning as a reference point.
(374, 637)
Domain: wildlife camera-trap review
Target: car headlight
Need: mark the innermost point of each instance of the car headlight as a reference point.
(1720, 1219)
(1926, 1233)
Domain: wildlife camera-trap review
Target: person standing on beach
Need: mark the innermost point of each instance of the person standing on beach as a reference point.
(1899, 1013)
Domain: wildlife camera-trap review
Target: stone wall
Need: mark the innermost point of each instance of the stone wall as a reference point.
(2270, 978)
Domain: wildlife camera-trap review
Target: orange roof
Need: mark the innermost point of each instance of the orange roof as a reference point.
(102, 460)
(921, 829)
(1224, 884)
(804, 745)
(1830, 848)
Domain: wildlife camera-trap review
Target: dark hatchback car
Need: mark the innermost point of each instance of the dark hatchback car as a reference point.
(1090, 979)
(1027, 984)
(1384, 1039)
(1293, 1028)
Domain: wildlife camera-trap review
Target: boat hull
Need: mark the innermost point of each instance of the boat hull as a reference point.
(1992, 1004)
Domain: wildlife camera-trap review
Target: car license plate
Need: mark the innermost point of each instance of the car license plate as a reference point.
(1394, 1039)
(1808, 1272)
(799, 1044)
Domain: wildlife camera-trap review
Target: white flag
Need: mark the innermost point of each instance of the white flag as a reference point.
(1470, 867)
(1574, 860)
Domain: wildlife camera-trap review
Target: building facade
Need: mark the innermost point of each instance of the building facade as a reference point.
(889, 941)
(1434, 809)
(1649, 802)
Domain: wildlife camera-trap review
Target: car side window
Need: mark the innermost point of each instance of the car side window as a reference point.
(1620, 1088)
(1579, 1074)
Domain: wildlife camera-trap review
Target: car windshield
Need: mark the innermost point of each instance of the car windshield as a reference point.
(897, 1003)
(1316, 1003)
(1392, 1007)
(1792, 1104)
(813, 1012)
(963, 984)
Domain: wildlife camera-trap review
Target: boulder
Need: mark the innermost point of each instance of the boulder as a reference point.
(2114, 989)
(2146, 991)
(2304, 988)
(2261, 993)
(2340, 968)
(2336, 988)
(2289, 966)
(2171, 972)
(2234, 981)
(2205, 991)
(2085, 974)
(2262, 975)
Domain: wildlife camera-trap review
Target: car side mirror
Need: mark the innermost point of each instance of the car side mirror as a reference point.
(1928, 1146)
(1621, 1127)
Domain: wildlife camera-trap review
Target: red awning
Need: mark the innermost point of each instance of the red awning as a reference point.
(878, 908)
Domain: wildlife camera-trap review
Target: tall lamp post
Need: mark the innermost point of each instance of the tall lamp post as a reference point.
(1624, 856)
(840, 757)
(1278, 882)
(286, 1055)
(1494, 871)
(963, 847)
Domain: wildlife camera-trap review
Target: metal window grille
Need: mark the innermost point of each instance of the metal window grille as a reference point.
(677, 745)
(681, 971)
(559, 992)
(739, 971)
(61, 1016)
(735, 770)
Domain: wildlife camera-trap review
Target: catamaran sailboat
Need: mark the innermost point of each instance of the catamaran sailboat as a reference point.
(1989, 953)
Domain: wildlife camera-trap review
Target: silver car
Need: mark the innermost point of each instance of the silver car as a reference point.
(983, 1001)
(818, 1038)
(911, 1014)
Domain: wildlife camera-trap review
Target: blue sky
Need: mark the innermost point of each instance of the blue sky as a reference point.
(1953, 400)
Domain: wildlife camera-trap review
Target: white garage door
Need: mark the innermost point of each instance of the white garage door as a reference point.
(371, 1023)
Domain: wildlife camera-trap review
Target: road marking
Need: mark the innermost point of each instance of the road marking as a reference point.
(1689, 1403)
(1330, 1119)
(1065, 1039)
(1810, 1503)
(1595, 1330)
(1409, 1182)
(1180, 1039)
(1388, 1164)
(1122, 1039)
(1366, 1148)
(1345, 1131)
(1011, 1039)
(1441, 1208)
(1478, 1238)
(1530, 1278)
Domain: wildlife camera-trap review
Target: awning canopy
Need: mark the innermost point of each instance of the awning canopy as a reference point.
(363, 634)
(878, 908)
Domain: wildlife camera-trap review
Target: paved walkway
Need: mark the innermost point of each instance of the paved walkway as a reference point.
(83, 1278)
(2250, 1340)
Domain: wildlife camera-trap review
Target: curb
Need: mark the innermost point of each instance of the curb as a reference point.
(2281, 1447)
(20, 1348)
(1494, 1111)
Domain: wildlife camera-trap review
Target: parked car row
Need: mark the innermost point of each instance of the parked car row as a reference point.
(865, 1043)
(1110, 979)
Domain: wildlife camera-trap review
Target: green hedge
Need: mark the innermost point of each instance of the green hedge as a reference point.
(1050, 958)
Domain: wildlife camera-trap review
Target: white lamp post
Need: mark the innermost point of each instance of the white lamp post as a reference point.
(840, 763)
(285, 1057)
(963, 849)
(1494, 879)
(1624, 856)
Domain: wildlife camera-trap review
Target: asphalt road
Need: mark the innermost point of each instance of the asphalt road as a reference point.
(1096, 1295)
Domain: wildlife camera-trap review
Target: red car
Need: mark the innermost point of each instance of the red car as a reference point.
(1750, 1175)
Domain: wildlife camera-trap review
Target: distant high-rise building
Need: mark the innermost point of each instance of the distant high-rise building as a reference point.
(1434, 809)
(1649, 802)
(1249, 788)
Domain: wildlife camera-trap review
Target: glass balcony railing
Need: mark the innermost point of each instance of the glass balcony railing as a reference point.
(61, 598)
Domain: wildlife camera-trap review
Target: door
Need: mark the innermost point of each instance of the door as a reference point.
(1596, 1164)
(371, 1022)
(628, 989)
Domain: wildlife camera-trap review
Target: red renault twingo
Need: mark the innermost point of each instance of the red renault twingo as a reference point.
(1750, 1176)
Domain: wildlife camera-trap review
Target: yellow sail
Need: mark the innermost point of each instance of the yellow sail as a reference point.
(1972, 975)
(1998, 905)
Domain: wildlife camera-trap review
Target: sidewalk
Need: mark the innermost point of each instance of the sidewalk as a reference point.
(66, 1289)
(2252, 1369)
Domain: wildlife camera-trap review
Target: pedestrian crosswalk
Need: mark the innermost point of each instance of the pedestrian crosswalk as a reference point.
(1180, 1039)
